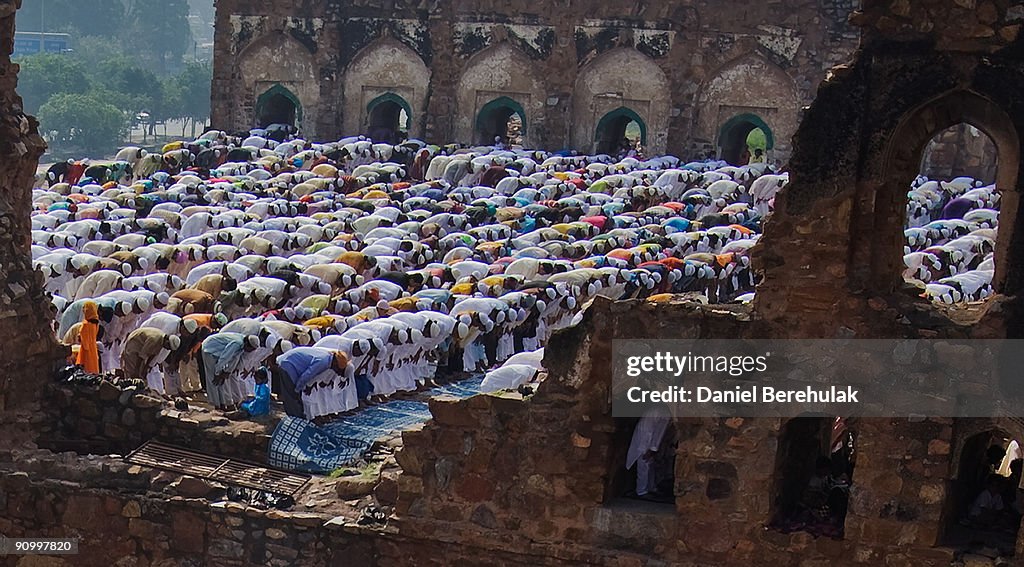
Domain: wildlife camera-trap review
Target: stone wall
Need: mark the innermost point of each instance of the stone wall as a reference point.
(105, 419)
(560, 450)
(962, 150)
(128, 515)
(837, 234)
(29, 351)
(686, 68)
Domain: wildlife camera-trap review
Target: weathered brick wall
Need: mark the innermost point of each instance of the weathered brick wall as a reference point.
(685, 67)
(123, 515)
(540, 470)
(29, 350)
(838, 225)
(129, 515)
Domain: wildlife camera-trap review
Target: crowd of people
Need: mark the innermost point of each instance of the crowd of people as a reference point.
(951, 238)
(338, 272)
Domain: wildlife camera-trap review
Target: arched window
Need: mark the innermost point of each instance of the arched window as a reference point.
(621, 131)
(952, 218)
(389, 115)
(745, 138)
(278, 105)
(814, 466)
(502, 120)
(983, 501)
(887, 241)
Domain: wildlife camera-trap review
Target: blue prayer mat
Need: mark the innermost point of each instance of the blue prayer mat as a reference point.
(300, 445)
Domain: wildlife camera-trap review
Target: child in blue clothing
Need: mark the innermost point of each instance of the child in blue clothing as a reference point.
(259, 405)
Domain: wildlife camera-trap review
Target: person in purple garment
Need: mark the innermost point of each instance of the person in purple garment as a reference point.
(957, 208)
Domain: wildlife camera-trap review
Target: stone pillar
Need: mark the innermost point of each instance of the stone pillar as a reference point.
(28, 350)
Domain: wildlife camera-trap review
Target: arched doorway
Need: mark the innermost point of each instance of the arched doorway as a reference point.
(389, 116)
(502, 119)
(745, 138)
(982, 499)
(278, 105)
(620, 131)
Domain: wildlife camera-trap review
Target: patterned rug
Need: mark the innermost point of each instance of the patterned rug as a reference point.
(301, 445)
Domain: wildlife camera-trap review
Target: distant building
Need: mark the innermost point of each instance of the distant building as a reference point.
(30, 43)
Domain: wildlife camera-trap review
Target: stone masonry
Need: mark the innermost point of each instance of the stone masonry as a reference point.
(508, 480)
(28, 351)
(686, 68)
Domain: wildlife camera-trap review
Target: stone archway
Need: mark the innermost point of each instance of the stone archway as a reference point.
(979, 447)
(388, 116)
(493, 119)
(276, 62)
(385, 72)
(278, 105)
(751, 87)
(500, 71)
(621, 78)
(734, 134)
(901, 163)
(613, 128)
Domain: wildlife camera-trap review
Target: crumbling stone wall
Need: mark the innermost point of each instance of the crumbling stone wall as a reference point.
(104, 419)
(567, 64)
(28, 351)
(962, 150)
(557, 453)
(836, 237)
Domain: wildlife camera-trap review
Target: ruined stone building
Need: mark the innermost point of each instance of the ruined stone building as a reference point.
(694, 77)
(531, 481)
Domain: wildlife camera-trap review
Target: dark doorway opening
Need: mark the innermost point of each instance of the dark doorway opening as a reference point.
(501, 122)
(814, 467)
(643, 454)
(278, 106)
(621, 132)
(984, 502)
(389, 119)
(745, 139)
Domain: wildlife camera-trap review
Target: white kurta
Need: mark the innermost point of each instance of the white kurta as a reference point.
(646, 437)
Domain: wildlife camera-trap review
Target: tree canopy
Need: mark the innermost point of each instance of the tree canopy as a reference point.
(82, 120)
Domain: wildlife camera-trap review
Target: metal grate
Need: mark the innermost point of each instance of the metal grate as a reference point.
(220, 469)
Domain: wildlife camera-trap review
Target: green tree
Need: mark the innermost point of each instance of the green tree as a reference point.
(128, 86)
(194, 83)
(94, 51)
(82, 121)
(46, 74)
(159, 31)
